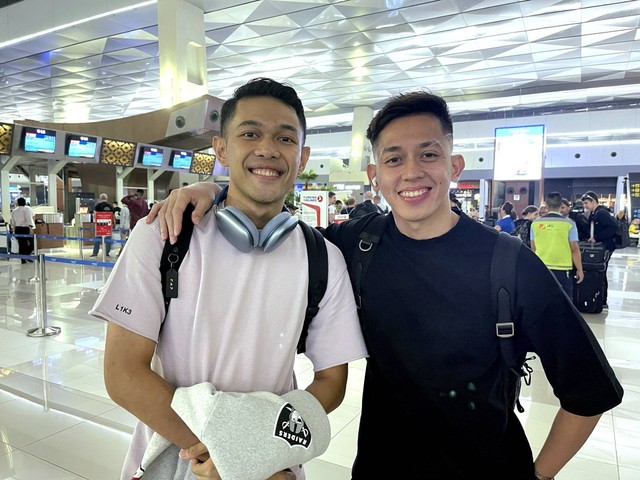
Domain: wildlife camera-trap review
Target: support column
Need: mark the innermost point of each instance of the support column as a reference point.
(361, 154)
(7, 165)
(182, 43)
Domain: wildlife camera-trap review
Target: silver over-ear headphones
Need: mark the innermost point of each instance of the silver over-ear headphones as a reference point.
(241, 232)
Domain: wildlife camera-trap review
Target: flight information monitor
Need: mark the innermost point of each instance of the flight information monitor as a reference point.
(519, 153)
(38, 140)
(150, 156)
(80, 146)
(181, 159)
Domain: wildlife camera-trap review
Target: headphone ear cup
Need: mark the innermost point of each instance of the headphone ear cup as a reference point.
(277, 230)
(236, 227)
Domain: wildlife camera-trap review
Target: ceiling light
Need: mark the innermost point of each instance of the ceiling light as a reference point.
(78, 22)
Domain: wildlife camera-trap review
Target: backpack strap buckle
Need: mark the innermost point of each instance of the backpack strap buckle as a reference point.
(505, 329)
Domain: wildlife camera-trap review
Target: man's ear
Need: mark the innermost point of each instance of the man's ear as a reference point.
(371, 173)
(220, 147)
(457, 166)
(304, 159)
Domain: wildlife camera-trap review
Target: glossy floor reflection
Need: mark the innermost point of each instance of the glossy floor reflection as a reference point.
(57, 422)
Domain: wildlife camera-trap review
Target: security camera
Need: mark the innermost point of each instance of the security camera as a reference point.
(180, 121)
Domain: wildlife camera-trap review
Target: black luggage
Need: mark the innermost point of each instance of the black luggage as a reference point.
(588, 295)
(594, 255)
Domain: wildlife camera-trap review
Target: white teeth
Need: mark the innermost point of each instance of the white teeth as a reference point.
(413, 194)
(266, 173)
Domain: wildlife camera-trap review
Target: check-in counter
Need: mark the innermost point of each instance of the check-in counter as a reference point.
(49, 224)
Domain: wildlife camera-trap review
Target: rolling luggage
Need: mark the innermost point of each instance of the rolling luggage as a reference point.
(588, 295)
(594, 255)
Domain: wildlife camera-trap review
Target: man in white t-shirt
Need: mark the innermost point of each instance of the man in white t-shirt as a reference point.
(22, 223)
(230, 324)
(331, 208)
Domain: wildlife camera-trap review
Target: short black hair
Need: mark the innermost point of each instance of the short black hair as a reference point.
(21, 201)
(554, 200)
(263, 87)
(407, 104)
(590, 195)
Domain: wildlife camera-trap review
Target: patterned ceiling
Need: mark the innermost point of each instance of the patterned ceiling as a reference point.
(481, 55)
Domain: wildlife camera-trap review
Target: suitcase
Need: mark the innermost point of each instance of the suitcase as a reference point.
(594, 255)
(587, 295)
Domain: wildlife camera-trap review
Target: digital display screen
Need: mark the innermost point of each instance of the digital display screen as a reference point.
(181, 159)
(38, 140)
(151, 156)
(518, 153)
(81, 146)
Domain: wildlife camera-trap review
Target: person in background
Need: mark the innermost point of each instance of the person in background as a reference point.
(138, 207)
(622, 238)
(339, 206)
(522, 226)
(295, 211)
(634, 231)
(455, 204)
(22, 223)
(579, 215)
(125, 222)
(434, 365)
(543, 210)
(348, 208)
(367, 206)
(377, 200)
(554, 238)
(103, 206)
(331, 207)
(229, 325)
(565, 208)
(473, 213)
(507, 218)
(603, 228)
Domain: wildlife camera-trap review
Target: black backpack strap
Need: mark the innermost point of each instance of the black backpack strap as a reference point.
(318, 277)
(503, 301)
(368, 239)
(172, 257)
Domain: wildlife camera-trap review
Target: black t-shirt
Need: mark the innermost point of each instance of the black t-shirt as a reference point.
(434, 403)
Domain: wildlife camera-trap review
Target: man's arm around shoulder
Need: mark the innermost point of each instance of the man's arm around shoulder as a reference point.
(132, 384)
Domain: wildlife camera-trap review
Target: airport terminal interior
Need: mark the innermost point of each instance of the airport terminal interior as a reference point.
(141, 81)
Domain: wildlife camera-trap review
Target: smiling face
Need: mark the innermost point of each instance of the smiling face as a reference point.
(414, 168)
(263, 148)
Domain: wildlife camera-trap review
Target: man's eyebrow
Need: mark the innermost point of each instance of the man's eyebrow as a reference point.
(255, 123)
(428, 143)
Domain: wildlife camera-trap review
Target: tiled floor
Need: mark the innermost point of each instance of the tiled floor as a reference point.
(57, 422)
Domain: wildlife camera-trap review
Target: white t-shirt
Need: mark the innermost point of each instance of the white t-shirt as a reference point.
(238, 316)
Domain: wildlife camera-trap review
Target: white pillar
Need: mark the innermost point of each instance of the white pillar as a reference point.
(361, 154)
(181, 39)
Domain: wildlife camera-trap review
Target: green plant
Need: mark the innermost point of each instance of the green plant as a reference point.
(307, 178)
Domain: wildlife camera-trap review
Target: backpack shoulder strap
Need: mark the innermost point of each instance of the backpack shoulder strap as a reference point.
(368, 240)
(503, 291)
(318, 277)
(172, 257)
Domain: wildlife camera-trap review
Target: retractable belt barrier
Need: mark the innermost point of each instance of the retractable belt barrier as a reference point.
(40, 259)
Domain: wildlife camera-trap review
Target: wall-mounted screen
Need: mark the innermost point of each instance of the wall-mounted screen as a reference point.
(80, 146)
(6, 138)
(150, 156)
(117, 152)
(38, 140)
(518, 153)
(181, 159)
